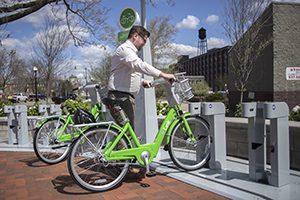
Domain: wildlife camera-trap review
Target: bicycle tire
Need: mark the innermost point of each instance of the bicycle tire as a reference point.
(186, 154)
(88, 167)
(46, 147)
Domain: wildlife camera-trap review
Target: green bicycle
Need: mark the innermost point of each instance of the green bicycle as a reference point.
(100, 157)
(53, 135)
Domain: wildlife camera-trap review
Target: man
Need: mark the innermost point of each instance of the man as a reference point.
(126, 72)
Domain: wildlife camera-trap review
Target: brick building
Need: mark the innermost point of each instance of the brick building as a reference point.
(213, 65)
(267, 81)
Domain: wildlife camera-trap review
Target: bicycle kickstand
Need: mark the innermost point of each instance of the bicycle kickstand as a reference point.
(145, 156)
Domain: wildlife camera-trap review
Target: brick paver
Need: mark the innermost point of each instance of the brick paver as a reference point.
(23, 176)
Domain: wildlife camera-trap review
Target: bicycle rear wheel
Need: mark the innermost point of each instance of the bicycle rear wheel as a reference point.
(87, 165)
(186, 153)
(46, 146)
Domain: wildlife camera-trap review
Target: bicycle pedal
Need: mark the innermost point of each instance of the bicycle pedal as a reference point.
(150, 174)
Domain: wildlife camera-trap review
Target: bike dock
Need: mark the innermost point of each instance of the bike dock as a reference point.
(237, 178)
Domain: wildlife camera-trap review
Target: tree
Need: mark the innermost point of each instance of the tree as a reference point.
(50, 52)
(10, 66)
(81, 17)
(243, 28)
(162, 32)
(101, 72)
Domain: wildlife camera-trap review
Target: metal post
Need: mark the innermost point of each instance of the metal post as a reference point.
(35, 82)
(12, 124)
(44, 110)
(216, 118)
(278, 113)
(256, 139)
(23, 138)
(146, 124)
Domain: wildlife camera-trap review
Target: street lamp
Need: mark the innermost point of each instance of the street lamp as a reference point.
(35, 69)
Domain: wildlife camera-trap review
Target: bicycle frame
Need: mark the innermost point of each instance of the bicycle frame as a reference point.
(60, 133)
(173, 117)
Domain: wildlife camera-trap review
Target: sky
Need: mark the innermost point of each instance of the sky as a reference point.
(188, 16)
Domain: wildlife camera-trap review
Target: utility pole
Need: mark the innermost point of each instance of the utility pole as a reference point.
(146, 123)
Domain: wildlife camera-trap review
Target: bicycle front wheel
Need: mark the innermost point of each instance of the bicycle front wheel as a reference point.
(46, 145)
(188, 153)
(88, 166)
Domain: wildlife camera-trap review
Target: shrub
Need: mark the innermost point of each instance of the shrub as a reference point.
(73, 105)
(214, 97)
(295, 114)
(33, 110)
(162, 108)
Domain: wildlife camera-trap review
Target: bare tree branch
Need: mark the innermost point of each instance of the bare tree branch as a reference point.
(21, 10)
(50, 57)
(162, 32)
(84, 18)
(243, 27)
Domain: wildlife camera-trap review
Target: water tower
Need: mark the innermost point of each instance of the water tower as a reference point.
(202, 41)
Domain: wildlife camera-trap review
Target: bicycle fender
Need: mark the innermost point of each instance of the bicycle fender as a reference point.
(44, 120)
(117, 128)
(171, 127)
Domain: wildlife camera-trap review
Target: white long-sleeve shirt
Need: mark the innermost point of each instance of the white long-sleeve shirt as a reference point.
(127, 69)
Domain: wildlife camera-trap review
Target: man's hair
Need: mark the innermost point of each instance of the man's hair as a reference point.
(139, 30)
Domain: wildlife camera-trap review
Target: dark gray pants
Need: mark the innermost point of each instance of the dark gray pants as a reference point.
(128, 106)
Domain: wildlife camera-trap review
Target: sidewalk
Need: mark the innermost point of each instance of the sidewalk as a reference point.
(23, 176)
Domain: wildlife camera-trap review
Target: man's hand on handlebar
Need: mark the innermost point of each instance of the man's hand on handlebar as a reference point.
(147, 84)
(168, 77)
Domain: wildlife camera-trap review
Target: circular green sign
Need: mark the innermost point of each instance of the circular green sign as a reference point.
(127, 18)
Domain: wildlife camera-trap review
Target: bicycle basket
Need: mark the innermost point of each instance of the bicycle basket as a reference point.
(83, 117)
(182, 89)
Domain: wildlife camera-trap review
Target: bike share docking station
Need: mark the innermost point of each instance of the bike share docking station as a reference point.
(278, 113)
(214, 112)
(17, 124)
(47, 110)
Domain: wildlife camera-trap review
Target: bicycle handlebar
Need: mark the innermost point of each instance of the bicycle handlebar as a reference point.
(158, 82)
(88, 86)
(161, 81)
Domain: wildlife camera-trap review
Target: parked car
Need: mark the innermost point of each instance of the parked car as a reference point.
(39, 97)
(19, 97)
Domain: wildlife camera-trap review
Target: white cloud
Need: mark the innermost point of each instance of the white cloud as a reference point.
(23, 47)
(213, 42)
(89, 56)
(182, 49)
(179, 49)
(94, 53)
(212, 19)
(190, 22)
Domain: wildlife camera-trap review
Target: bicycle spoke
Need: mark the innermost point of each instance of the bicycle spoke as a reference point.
(188, 153)
(87, 166)
(46, 146)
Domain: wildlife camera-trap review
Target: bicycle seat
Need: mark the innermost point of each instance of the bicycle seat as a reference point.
(110, 101)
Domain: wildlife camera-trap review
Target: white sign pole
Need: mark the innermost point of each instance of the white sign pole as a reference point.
(146, 118)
